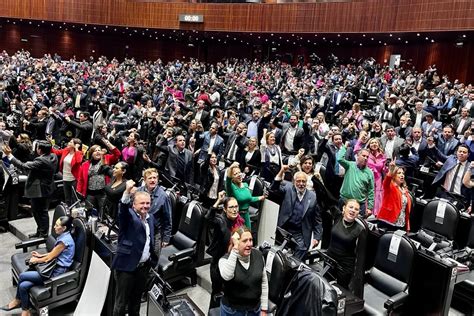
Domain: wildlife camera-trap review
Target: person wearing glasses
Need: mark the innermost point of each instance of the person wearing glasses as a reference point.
(221, 223)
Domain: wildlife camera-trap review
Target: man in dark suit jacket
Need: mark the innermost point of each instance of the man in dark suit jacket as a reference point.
(292, 136)
(450, 176)
(83, 128)
(236, 142)
(299, 212)
(333, 176)
(462, 122)
(211, 138)
(179, 163)
(447, 143)
(79, 99)
(39, 184)
(135, 253)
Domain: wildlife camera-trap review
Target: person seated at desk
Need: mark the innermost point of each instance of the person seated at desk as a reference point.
(396, 201)
(63, 250)
(344, 238)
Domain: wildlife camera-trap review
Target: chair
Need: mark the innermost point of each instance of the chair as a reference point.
(174, 212)
(179, 259)
(257, 186)
(463, 294)
(279, 277)
(67, 287)
(388, 280)
(18, 259)
(438, 225)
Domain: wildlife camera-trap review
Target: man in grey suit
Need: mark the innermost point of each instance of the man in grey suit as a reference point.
(390, 142)
(39, 184)
(299, 212)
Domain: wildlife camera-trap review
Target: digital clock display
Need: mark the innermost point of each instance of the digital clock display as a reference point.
(191, 18)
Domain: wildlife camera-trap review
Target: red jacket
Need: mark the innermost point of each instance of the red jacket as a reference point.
(83, 179)
(75, 162)
(392, 203)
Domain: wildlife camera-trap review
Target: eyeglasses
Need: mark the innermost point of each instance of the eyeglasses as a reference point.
(233, 206)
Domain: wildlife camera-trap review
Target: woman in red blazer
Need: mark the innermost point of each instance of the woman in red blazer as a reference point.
(70, 160)
(92, 178)
(396, 200)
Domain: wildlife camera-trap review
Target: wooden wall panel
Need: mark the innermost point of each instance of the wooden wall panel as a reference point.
(349, 17)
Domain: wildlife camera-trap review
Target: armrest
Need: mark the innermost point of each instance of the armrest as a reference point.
(181, 254)
(314, 254)
(30, 243)
(395, 301)
(58, 280)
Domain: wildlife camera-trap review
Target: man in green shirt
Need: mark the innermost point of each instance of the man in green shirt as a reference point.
(358, 181)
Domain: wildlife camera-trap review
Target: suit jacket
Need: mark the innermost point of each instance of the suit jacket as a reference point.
(239, 140)
(75, 162)
(413, 116)
(392, 203)
(396, 146)
(427, 130)
(311, 219)
(448, 165)
(447, 147)
(40, 181)
(218, 146)
(172, 163)
(83, 131)
(297, 140)
(406, 133)
(82, 103)
(132, 239)
(466, 126)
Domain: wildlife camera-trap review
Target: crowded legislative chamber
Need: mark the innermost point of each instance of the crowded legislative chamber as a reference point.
(236, 157)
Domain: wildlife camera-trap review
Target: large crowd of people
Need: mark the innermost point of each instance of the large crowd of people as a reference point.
(100, 122)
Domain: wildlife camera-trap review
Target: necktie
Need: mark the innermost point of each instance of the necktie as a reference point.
(453, 181)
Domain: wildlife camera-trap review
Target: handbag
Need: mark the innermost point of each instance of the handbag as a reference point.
(46, 269)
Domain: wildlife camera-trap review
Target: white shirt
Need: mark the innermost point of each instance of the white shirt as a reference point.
(211, 144)
(67, 174)
(198, 115)
(458, 180)
(289, 138)
(419, 116)
(389, 148)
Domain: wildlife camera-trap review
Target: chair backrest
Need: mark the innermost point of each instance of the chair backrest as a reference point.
(357, 282)
(82, 238)
(441, 217)
(279, 276)
(256, 185)
(392, 269)
(319, 167)
(190, 226)
(60, 210)
(175, 218)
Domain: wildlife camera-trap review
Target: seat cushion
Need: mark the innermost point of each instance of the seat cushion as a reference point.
(374, 301)
(164, 263)
(18, 261)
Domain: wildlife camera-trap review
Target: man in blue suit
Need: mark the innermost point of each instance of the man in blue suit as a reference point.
(299, 212)
(135, 253)
(451, 174)
(211, 143)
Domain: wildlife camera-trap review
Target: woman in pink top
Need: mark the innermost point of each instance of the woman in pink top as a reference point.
(376, 163)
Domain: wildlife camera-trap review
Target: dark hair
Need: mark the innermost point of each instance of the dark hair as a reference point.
(228, 199)
(77, 141)
(305, 158)
(389, 127)
(66, 221)
(404, 150)
(86, 114)
(464, 146)
(123, 166)
(44, 146)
